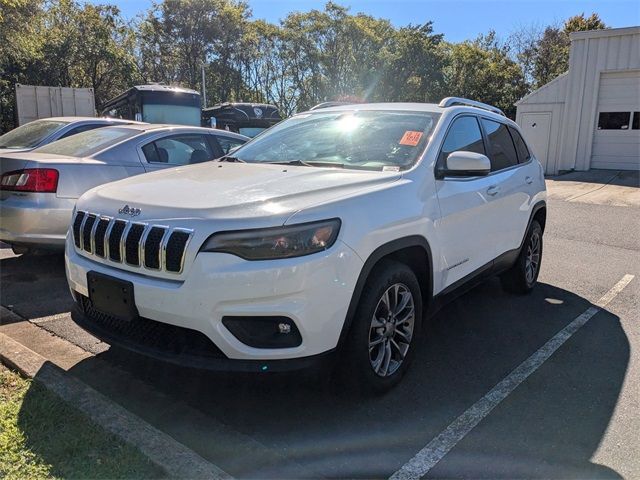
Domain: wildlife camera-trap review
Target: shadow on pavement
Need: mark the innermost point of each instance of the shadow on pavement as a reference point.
(622, 178)
(303, 425)
(34, 285)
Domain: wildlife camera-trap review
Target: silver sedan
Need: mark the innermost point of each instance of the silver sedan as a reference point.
(42, 132)
(38, 189)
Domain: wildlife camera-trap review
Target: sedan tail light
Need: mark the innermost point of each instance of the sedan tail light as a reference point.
(43, 180)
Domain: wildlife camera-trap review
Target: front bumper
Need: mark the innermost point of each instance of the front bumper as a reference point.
(313, 291)
(35, 219)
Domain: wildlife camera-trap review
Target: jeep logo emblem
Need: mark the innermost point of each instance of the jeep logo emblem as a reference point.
(127, 210)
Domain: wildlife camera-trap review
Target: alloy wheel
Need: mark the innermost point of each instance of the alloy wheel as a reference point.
(391, 330)
(532, 261)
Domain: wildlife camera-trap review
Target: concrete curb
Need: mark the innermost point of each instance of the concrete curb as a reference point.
(173, 457)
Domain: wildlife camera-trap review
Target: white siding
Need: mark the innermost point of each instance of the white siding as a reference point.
(573, 99)
(548, 99)
(617, 149)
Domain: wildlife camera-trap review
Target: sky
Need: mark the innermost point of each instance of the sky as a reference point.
(457, 19)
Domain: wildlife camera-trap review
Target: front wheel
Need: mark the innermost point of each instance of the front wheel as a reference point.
(382, 339)
(522, 277)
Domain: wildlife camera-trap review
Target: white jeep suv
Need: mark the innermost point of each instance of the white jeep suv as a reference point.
(335, 232)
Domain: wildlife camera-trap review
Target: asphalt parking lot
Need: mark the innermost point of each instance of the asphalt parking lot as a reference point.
(577, 415)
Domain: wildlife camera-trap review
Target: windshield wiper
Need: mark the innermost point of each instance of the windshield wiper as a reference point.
(229, 158)
(310, 163)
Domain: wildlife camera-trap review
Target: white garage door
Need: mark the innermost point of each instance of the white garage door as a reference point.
(616, 141)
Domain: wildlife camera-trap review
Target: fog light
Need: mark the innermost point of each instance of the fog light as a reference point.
(264, 332)
(284, 328)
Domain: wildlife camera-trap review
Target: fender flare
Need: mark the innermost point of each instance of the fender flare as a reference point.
(377, 255)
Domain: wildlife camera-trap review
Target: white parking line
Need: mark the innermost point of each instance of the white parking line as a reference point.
(437, 448)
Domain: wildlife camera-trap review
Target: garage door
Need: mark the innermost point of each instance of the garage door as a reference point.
(616, 141)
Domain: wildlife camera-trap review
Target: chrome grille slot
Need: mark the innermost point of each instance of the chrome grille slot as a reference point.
(86, 232)
(99, 236)
(114, 240)
(174, 250)
(77, 223)
(132, 244)
(152, 247)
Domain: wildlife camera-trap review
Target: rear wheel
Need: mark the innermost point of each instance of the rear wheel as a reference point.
(381, 341)
(522, 277)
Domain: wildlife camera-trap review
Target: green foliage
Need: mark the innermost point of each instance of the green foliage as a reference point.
(551, 51)
(307, 58)
(483, 70)
(63, 43)
(43, 437)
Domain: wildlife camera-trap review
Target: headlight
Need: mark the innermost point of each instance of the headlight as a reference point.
(279, 242)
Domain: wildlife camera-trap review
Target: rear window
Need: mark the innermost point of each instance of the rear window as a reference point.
(30, 134)
(502, 151)
(521, 147)
(87, 143)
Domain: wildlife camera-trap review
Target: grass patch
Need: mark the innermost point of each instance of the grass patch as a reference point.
(41, 436)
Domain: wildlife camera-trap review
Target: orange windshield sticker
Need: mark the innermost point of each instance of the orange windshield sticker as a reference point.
(411, 138)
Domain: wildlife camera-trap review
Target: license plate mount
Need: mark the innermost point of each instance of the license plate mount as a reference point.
(112, 296)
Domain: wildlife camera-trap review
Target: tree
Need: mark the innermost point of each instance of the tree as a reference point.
(413, 66)
(483, 70)
(551, 53)
(178, 36)
(87, 46)
(20, 50)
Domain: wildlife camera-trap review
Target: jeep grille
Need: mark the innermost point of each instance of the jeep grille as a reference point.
(139, 244)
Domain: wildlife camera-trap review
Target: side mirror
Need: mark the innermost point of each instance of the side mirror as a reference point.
(467, 164)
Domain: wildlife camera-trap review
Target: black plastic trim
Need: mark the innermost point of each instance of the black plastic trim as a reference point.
(204, 363)
(374, 258)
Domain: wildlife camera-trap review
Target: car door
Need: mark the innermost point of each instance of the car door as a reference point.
(176, 150)
(509, 181)
(467, 224)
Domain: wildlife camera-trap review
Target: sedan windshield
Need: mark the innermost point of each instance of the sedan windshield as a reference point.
(30, 134)
(87, 143)
(366, 139)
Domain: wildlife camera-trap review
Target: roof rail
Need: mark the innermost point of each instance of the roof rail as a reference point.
(451, 101)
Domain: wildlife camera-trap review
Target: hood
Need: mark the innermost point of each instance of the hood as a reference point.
(231, 191)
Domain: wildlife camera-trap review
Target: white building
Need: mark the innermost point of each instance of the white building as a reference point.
(589, 117)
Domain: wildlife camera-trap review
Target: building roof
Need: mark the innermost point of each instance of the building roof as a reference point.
(607, 32)
(556, 83)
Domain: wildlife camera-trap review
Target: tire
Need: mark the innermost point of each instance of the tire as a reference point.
(522, 277)
(379, 351)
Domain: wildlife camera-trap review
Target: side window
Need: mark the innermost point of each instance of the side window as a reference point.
(521, 147)
(635, 124)
(227, 144)
(464, 134)
(179, 150)
(81, 128)
(614, 120)
(502, 152)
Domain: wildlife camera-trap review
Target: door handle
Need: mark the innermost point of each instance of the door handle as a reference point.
(529, 180)
(493, 190)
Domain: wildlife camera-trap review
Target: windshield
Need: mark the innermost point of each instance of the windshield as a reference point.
(30, 134)
(370, 140)
(173, 114)
(251, 131)
(87, 143)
